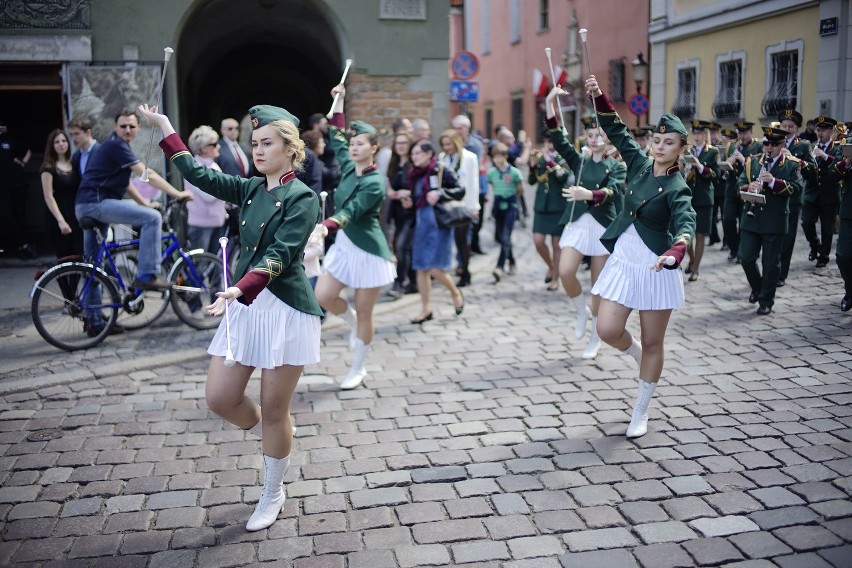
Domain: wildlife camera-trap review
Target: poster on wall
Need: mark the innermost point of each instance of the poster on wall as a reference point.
(101, 92)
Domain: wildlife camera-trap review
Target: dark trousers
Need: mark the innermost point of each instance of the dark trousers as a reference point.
(843, 255)
(731, 214)
(750, 249)
(403, 238)
(461, 234)
(504, 222)
(718, 204)
(790, 239)
(477, 226)
(825, 214)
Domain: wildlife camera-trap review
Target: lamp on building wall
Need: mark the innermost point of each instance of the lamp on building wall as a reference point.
(640, 71)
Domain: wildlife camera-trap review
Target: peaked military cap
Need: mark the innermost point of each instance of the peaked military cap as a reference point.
(700, 125)
(773, 134)
(826, 122)
(261, 115)
(715, 126)
(641, 130)
(791, 114)
(743, 125)
(669, 123)
(360, 127)
(728, 132)
(589, 122)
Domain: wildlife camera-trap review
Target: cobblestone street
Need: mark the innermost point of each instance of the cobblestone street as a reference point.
(482, 440)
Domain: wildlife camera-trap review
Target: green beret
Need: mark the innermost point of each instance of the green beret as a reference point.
(261, 115)
(670, 123)
(826, 122)
(360, 127)
(791, 114)
(774, 134)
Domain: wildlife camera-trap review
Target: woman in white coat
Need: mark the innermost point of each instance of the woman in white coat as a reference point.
(466, 166)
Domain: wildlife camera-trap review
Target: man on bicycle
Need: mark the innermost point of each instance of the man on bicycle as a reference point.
(100, 196)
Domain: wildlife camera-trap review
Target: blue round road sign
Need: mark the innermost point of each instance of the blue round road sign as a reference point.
(639, 104)
(465, 65)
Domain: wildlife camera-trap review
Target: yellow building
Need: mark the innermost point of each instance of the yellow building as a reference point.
(739, 59)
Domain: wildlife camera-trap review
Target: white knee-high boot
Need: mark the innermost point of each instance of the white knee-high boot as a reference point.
(357, 373)
(635, 351)
(639, 420)
(594, 341)
(583, 314)
(349, 316)
(273, 497)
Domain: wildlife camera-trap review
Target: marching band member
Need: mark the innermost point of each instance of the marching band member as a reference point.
(762, 234)
(733, 210)
(843, 253)
(549, 173)
(641, 246)
(701, 179)
(360, 257)
(823, 197)
(794, 146)
(275, 324)
(642, 135)
(594, 198)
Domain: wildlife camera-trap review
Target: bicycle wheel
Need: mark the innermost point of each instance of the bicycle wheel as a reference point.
(58, 306)
(194, 287)
(138, 307)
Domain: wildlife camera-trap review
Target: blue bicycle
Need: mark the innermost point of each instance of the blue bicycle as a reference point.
(71, 299)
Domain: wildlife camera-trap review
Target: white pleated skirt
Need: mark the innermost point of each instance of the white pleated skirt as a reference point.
(268, 334)
(584, 236)
(628, 279)
(356, 267)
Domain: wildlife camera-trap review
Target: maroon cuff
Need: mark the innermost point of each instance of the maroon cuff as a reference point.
(778, 186)
(551, 122)
(251, 285)
(841, 166)
(603, 104)
(708, 173)
(678, 251)
(172, 144)
(331, 225)
(598, 196)
(551, 164)
(829, 159)
(338, 120)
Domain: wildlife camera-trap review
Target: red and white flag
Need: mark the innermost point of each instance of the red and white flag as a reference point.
(561, 75)
(540, 84)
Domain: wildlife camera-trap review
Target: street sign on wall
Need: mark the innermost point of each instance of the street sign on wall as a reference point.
(639, 104)
(465, 65)
(464, 91)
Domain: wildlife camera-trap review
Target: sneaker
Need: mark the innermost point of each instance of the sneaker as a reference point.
(497, 273)
(152, 283)
(511, 270)
(95, 330)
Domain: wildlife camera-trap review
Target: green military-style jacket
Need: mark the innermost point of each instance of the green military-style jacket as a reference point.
(801, 149)
(275, 224)
(732, 186)
(651, 203)
(549, 182)
(829, 178)
(702, 185)
(609, 175)
(357, 200)
(771, 218)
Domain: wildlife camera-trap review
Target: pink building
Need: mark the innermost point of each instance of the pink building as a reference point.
(509, 38)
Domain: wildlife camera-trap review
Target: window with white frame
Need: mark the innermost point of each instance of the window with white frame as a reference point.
(515, 21)
(730, 74)
(686, 94)
(784, 77)
(543, 15)
(486, 28)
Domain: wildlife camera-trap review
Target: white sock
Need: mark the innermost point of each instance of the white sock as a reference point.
(350, 317)
(583, 313)
(635, 350)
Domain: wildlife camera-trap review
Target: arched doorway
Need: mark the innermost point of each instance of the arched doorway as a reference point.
(232, 55)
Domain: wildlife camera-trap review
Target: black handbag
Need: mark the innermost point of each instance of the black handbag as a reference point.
(452, 212)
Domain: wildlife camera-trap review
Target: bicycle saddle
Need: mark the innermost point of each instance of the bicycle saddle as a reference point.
(88, 222)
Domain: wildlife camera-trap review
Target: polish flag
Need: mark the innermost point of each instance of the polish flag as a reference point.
(561, 75)
(540, 84)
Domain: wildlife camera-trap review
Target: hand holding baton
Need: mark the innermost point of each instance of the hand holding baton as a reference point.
(337, 96)
(547, 52)
(663, 260)
(229, 355)
(158, 94)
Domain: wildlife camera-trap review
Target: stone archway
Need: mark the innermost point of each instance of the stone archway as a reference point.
(232, 55)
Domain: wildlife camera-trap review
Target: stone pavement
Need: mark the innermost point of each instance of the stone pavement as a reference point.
(481, 440)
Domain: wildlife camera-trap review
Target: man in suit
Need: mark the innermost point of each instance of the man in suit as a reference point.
(232, 159)
(776, 177)
(80, 129)
(822, 198)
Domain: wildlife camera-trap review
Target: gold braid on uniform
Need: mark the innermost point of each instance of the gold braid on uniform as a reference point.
(273, 268)
(181, 153)
(341, 219)
(686, 238)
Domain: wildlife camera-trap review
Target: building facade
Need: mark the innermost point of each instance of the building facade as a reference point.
(93, 57)
(749, 59)
(509, 38)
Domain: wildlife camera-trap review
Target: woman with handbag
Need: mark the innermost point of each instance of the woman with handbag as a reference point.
(360, 257)
(464, 163)
(431, 183)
